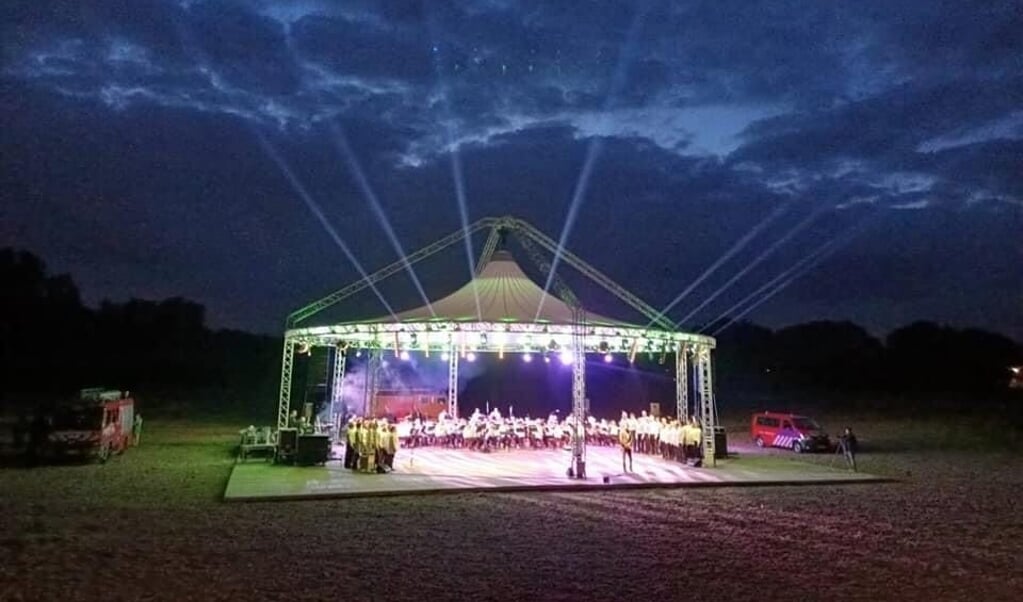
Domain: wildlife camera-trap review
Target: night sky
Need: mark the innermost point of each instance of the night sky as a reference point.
(145, 148)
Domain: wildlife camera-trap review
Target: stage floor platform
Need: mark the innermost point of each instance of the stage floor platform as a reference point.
(437, 470)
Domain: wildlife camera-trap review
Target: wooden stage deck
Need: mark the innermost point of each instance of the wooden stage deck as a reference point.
(437, 470)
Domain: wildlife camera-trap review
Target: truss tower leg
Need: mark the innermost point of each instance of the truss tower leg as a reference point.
(579, 396)
(287, 365)
(708, 414)
(682, 383)
(488, 249)
(337, 388)
(372, 380)
(452, 382)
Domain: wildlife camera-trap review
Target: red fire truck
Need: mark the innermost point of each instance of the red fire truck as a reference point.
(95, 426)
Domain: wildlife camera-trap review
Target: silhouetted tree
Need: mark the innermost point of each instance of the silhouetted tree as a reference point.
(830, 355)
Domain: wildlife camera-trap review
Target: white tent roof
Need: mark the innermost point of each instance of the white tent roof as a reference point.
(506, 294)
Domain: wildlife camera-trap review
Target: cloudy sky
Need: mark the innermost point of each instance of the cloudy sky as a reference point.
(227, 151)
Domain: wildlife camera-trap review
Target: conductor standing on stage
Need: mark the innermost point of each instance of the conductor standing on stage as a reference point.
(625, 438)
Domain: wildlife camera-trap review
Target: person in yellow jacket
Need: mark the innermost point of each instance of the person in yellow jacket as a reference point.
(352, 444)
(391, 448)
(626, 439)
(367, 447)
(382, 443)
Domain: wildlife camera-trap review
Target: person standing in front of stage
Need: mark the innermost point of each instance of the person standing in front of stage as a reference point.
(350, 436)
(392, 448)
(382, 444)
(626, 439)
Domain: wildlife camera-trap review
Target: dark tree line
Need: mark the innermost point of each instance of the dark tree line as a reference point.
(922, 359)
(52, 344)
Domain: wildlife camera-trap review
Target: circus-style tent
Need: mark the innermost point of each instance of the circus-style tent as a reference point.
(501, 310)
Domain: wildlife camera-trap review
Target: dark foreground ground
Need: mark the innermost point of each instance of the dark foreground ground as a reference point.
(149, 525)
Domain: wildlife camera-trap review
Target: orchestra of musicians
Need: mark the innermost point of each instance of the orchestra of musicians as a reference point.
(372, 443)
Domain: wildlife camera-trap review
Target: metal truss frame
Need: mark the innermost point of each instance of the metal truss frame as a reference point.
(337, 385)
(287, 367)
(582, 336)
(579, 408)
(708, 409)
(682, 382)
(372, 382)
(452, 381)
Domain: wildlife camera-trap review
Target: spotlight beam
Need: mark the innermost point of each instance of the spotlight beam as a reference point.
(786, 278)
(756, 261)
(592, 153)
(463, 214)
(317, 212)
(341, 141)
(739, 245)
(456, 163)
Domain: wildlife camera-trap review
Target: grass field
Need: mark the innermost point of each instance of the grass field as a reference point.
(149, 525)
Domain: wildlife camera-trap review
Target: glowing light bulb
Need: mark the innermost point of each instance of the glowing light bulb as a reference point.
(527, 357)
(471, 356)
(607, 358)
(404, 356)
(566, 357)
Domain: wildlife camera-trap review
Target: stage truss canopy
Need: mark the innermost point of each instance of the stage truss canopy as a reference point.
(501, 310)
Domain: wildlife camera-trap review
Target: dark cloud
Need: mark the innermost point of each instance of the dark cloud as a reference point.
(130, 154)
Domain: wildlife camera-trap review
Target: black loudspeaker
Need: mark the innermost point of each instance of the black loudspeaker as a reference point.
(312, 450)
(287, 441)
(720, 442)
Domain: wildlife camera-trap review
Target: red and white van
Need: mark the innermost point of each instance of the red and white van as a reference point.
(790, 431)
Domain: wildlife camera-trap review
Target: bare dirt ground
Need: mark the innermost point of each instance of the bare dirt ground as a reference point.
(150, 526)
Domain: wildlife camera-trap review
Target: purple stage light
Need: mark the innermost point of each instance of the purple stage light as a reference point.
(471, 356)
(566, 357)
(607, 358)
(527, 357)
(404, 356)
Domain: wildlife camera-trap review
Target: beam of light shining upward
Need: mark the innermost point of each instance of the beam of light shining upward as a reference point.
(786, 277)
(341, 141)
(806, 221)
(463, 214)
(317, 212)
(738, 246)
(456, 161)
(592, 152)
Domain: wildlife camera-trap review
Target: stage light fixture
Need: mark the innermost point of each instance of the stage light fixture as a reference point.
(566, 357)
(358, 353)
(445, 356)
(528, 357)
(607, 358)
(470, 356)
(404, 355)
(483, 339)
(553, 345)
(547, 359)
(603, 347)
